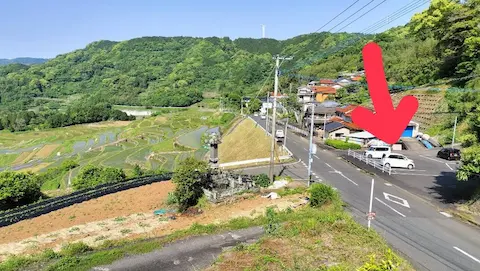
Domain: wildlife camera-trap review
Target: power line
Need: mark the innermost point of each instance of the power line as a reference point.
(364, 6)
(336, 16)
(362, 15)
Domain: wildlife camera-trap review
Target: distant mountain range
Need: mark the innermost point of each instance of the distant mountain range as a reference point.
(23, 60)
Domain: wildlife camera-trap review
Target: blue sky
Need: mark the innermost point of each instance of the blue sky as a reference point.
(51, 27)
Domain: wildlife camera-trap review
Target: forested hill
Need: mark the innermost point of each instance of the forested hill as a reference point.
(441, 42)
(159, 71)
(23, 60)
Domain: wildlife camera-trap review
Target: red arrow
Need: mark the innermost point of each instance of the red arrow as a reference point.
(387, 123)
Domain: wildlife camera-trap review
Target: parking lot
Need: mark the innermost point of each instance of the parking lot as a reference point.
(432, 177)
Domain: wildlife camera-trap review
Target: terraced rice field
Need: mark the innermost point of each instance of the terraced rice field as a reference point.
(170, 137)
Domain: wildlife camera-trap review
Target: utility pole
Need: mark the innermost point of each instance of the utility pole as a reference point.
(311, 147)
(454, 130)
(324, 124)
(266, 108)
(369, 217)
(274, 113)
(285, 138)
(241, 106)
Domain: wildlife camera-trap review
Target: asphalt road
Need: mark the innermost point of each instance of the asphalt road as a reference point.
(194, 253)
(431, 240)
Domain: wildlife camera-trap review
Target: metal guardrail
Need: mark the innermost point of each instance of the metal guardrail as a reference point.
(45, 206)
(369, 161)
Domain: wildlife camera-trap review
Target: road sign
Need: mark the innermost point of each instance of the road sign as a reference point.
(371, 215)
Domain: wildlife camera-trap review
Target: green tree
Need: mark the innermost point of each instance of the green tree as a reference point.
(18, 188)
(189, 178)
(91, 176)
(254, 105)
(138, 171)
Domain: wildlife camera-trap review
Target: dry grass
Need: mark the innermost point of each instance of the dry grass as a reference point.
(46, 150)
(109, 124)
(311, 240)
(21, 158)
(36, 168)
(246, 142)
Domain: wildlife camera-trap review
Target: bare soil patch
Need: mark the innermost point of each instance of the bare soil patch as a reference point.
(125, 215)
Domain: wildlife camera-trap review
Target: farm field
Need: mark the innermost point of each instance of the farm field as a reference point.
(152, 142)
(126, 214)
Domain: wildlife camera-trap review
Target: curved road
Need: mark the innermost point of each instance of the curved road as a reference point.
(431, 240)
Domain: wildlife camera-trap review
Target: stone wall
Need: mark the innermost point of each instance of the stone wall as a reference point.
(225, 184)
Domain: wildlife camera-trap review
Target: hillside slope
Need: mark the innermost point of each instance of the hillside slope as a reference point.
(23, 60)
(157, 71)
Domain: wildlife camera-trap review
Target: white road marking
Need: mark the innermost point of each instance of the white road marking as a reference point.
(388, 184)
(466, 254)
(409, 170)
(446, 214)
(413, 174)
(305, 149)
(390, 207)
(449, 166)
(403, 201)
(341, 174)
(313, 173)
(433, 159)
(316, 157)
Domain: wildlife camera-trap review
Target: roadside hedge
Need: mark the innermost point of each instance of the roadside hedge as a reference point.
(342, 145)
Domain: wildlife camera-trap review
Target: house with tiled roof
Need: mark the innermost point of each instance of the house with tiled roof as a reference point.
(322, 93)
(341, 125)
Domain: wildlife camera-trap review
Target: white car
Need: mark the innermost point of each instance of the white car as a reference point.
(378, 152)
(263, 117)
(398, 161)
(255, 114)
(279, 134)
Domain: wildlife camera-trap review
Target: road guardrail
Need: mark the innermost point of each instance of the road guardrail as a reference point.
(370, 161)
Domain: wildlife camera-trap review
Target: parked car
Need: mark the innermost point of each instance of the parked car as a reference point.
(378, 151)
(398, 161)
(263, 117)
(255, 114)
(279, 134)
(449, 154)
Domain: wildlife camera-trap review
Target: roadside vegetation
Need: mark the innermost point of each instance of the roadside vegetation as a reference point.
(342, 145)
(319, 235)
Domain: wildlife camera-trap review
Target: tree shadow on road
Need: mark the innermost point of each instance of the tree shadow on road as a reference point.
(447, 189)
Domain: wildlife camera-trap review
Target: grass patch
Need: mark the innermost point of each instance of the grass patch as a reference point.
(238, 145)
(342, 145)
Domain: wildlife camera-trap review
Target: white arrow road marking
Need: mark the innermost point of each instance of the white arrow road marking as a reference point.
(389, 207)
(403, 202)
(466, 254)
(341, 174)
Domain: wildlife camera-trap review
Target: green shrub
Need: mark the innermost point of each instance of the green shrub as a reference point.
(321, 194)
(390, 263)
(342, 145)
(74, 249)
(262, 180)
(273, 221)
(171, 199)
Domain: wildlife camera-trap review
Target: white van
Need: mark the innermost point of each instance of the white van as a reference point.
(378, 152)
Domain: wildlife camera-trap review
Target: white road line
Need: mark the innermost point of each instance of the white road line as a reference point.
(412, 170)
(413, 174)
(446, 214)
(305, 149)
(341, 174)
(466, 254)
(313, 173)
(388, 184)
(316, 157)
(449, 166)
(390, 207)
